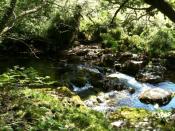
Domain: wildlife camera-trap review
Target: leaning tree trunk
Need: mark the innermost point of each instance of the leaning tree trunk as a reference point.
(163, 7)
(7, 15)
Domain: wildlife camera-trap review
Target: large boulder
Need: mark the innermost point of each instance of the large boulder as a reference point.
(133, 66)
(156, 96)
(151, 74)
(130, 63)
(108, 60)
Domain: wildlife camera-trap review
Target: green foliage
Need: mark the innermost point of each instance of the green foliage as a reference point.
(43, 108)
(116, 33)
(109, 41)
(34, 24)
(21, 77)
(33, 109)
(141, 119)
(112, 38)
(161, 42)
(59, 22)
(136, 43)
(96, 18)
(64, 27)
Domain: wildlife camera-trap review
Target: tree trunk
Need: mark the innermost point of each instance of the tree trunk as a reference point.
(7, 15)
(163, 7)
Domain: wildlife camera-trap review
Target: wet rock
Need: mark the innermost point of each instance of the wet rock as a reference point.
(89, 71)
(117, 66)
(65, 91)
(100, 99)
(97, 83)
(131, 90)
(85, 52)
(126, 80)
(79, 81)
(108, 60)
(151, 74)
(73, 59)
(82, 52)
(107, 102)
(93, 75)
(130, 63)
(113, 84)
(155, 96)
(149, 78)
(125, 56)
(170, 60)
(132, 66)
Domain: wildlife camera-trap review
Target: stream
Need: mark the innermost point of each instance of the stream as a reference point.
(102, 100)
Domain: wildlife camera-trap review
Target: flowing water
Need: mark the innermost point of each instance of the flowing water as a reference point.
(133, 100)
(56, 68)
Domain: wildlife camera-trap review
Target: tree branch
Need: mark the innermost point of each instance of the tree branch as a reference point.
(7, 15)
(134, 8)
(116, 12)
(163, 7)
(6, 28)
(28, 46)
(31, 11)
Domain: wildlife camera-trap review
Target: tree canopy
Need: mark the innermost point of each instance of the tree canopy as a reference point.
(54, 20)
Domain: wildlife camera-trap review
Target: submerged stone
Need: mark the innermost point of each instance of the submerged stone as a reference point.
(156, 96)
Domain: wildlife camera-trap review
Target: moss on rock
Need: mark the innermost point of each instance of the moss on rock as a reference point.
(130, 114)
(64, 91)
(34, 109)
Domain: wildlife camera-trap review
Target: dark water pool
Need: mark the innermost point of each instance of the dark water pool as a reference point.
(45, 66)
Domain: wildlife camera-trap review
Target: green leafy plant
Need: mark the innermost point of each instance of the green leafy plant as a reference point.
(21, 77)
(161, 42)
(108, 40)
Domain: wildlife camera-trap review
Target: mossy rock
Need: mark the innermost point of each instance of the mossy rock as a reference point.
(77, 100)
(130, 114)
(65, 91)
(39, 110)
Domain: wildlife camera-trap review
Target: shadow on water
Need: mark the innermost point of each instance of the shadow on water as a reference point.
(44, 65)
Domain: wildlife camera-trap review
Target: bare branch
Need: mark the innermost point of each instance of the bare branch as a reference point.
(28, 46)
(31, 11)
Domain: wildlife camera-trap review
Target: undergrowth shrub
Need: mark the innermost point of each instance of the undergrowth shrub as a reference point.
(161, 42)
(22, 77)
(108, 41)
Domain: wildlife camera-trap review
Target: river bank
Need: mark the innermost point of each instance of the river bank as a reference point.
(84, 70)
